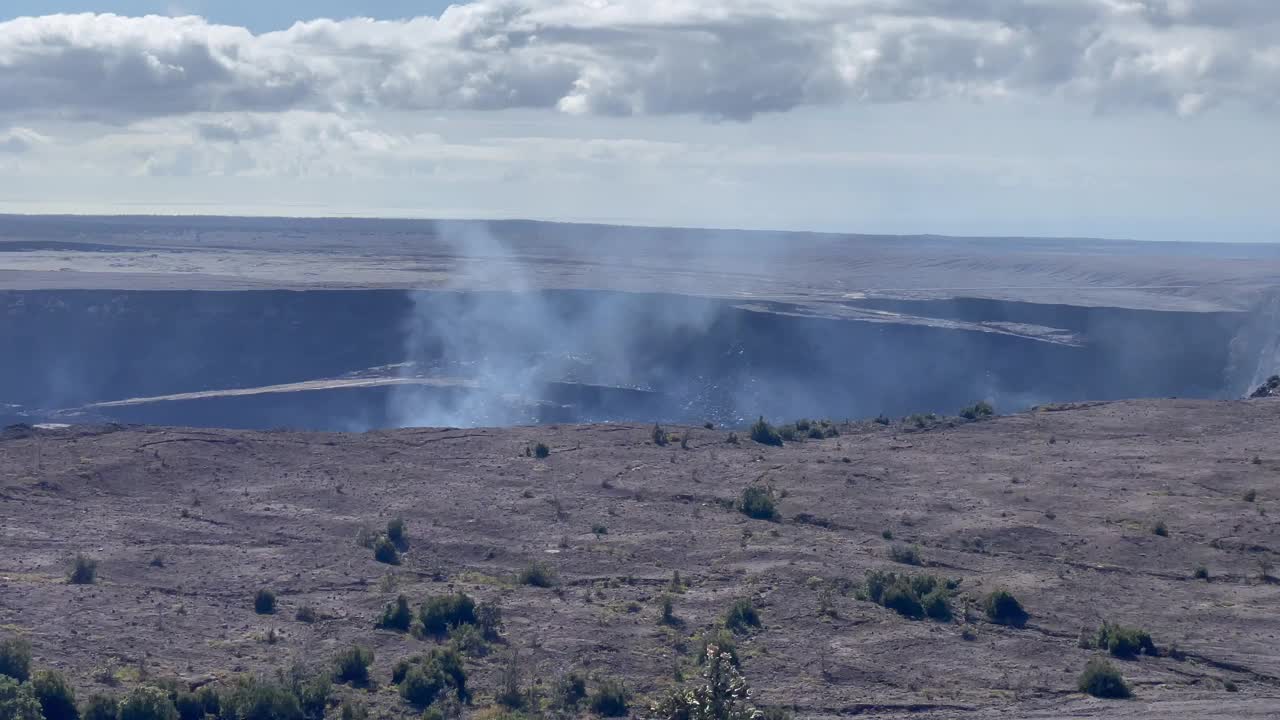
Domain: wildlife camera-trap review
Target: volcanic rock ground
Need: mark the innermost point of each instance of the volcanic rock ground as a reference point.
(1057, 505)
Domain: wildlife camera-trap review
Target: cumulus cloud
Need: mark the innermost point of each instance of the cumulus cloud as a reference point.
(722, 59)
(19, 140)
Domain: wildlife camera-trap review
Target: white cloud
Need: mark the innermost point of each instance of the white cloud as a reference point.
(724, 59)
(19, 140)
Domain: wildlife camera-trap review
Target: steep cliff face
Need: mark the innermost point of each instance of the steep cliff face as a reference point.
(393, 358)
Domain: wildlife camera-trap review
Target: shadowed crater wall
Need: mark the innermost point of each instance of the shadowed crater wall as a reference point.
(371, 359)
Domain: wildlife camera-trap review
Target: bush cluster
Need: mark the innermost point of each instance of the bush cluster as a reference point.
(741, 616)
(978, 411)
(912, 596)
(1124, 642)
(763, 433)
(422, 679)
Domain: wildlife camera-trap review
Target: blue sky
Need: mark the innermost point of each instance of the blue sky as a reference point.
(257, 15)
(1152, 120)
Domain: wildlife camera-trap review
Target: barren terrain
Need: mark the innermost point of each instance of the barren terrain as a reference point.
(1057, 505)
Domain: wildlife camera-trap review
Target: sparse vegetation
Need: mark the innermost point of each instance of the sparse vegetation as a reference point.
(741, 616)
(352, 665)
(1124, 642)
(906, 554)
(659, 435)
(147, 703)
(1101, 679)
(883, 419)
(1250, 495)
(100, 707)
(538, 575)
(610, 699)
(15, 658)
(1201, 573)
(1003, 608)
(541, 451)
(763, 433)
(84, 571)
(912, 596)
(396, 615)
(732, 439)
(668, 608)
(568, 692)
(264, 602)
(977, 411)
(385, 551)
(1159, 528)
(397, 534)
(757, 502)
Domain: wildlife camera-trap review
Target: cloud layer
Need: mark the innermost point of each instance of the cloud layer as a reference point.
(721, 59)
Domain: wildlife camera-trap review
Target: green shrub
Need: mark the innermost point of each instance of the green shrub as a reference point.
(15, 658)
(1004, 609)
(352, 665)
(1159, 528)
(211, 698)
(1101, 679)
(384, 551)
(719, 638)
(1124, 642)
(757, 502)
(1250, 496)
(147, 703)
(100, 707)
(442, 612)
(306, 614)
(906, 554)
(538, 575)
(57, 699)
(397, 535)
(1201, 573)
(763, 433)
(16, 701)
(396, 615)
(189, 706)
(312, 690)
(609, 699)
(741, 616)
(978, 410)
(668, 607)
(469, 640)
(883, 419)
(261, 699)
(264, 603)
(568, 692)
(84, 571)
(489, 620)
(423, 678)
(541, 451)
(912, 596)
(659, 435)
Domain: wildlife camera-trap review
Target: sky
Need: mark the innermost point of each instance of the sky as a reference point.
(1145, 119)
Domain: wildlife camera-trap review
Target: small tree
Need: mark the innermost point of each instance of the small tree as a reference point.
(724, 694)
(659, 435)
(57, 699)
(15, 658)
(17, 701)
